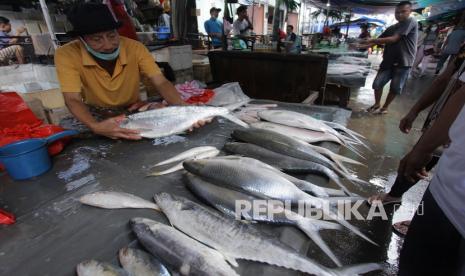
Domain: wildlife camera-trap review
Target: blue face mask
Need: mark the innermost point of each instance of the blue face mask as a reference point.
(103, 56)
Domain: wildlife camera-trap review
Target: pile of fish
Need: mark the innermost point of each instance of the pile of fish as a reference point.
(204, 241)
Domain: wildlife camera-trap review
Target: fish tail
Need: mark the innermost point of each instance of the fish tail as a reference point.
(333, 176)
(356, 269)
(235, 120)
(350, 227)
(354, 150)
(315, 236)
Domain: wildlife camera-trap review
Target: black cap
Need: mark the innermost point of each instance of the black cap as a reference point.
(91, 18)
(214, 9)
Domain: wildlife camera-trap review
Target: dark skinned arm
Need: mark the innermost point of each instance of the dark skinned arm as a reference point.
(413, 164)
(433, 93)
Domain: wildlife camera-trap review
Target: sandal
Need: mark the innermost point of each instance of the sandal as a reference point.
(401, 228)
(373, 108)
(382, 111)
(385, 199)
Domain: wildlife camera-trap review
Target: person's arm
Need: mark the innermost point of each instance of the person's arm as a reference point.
(109, 127)
(413, 164)
(429, 97)
(250, 25)
(19, 31)
(166, 90)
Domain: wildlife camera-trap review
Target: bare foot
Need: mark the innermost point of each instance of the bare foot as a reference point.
(384, 198)
(401, 228)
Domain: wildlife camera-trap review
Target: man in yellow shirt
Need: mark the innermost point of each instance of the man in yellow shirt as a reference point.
(99, 72)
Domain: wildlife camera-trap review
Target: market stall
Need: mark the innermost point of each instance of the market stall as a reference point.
(54, 231)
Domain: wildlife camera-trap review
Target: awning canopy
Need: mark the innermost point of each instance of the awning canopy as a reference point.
(360, 21)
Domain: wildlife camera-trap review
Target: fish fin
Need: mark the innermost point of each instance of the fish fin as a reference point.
(335, 192)
(235, 120)
(307, 227)
(231, 260)
(356, 269)
(350, 227)
(346, 159)
(167, 171)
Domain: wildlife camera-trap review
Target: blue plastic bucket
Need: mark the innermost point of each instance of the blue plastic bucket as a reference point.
(29, 158)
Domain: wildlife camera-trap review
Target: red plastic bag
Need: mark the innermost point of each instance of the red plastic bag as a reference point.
(6, 218)
(18, 122)
(203, 98)
(14, 111)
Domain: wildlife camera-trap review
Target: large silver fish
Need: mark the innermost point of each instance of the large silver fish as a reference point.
(116, 200)
(180, 252)
(296, 119)
(286, 145)
(306, 135)
(225, 201)
(261, 183)
(301, 184)
(284, 162)
(174, 119)
(96, 268)
(238, 240)
(139, 263)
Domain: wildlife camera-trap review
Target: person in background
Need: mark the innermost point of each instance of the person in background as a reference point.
(429, 48)
(400, 48)
(7, 48)
(364, 34)
(292, 41)
(242, 26)
(100, 72)
(166, 17)
(452, 45)
(420, 49)
(214, 28)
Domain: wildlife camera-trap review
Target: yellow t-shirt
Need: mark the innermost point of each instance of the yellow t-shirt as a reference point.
(78, 72)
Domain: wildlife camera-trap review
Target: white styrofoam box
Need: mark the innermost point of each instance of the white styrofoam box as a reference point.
(179, 57)
(25, 77)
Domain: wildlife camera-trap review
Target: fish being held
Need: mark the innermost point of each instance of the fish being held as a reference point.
(139, 263)
(261, 183)
(180, 252)
(237, 240)
(117, 200)
(174, 119)
(225, 201)
(195, 153)
(96, 268)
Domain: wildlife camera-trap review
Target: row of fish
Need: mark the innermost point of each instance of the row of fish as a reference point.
(203, 242)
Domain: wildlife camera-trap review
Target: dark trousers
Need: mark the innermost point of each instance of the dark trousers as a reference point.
(401, 185)
(432, 245)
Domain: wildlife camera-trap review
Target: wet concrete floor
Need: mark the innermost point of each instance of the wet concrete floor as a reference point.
(389, 145)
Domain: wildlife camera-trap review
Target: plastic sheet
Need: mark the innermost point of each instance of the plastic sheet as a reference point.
(227, 94)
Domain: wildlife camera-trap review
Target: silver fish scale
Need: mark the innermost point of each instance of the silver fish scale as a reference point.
(253, 180)
(170, 120)
(232, 238)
